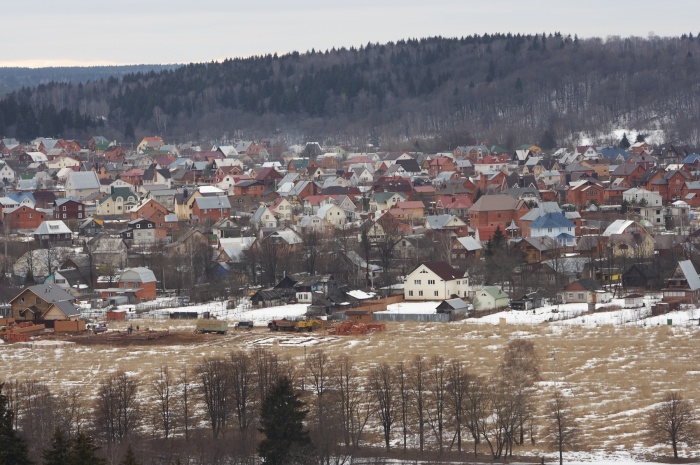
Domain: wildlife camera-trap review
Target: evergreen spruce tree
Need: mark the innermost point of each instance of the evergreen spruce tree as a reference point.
(83, 451)
(129, 458)
(624, 143)
(282, 422)
(58, 452)
(13, 448)
(498, 239)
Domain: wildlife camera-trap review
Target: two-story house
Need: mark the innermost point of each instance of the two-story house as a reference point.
(435, 281)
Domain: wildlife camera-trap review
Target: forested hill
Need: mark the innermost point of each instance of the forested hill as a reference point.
(499, 87)
(14, 78)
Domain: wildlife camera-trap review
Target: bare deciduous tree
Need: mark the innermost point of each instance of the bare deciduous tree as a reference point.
(162, 388)
(403, 386)
(418, 383)
(437, 382)
(214, 382)
(382, 385)
(117, 407)
(673, 421)
(457, 390)
(562, 429)
(242, 389)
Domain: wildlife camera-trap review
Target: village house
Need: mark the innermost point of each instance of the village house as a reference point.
(42, 303)
(119, 202)
(435, 281)
(209, 210)
(683, 286)
(137, 284)
(489, 298)
(68, 209)
(53, 232)
(82, 184)
(495, 211)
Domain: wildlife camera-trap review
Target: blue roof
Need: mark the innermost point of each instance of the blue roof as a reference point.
(692, 158)
(19, 196)
(551, 220)
(613, 152)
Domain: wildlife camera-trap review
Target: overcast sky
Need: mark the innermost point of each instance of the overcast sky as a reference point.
(80, 32)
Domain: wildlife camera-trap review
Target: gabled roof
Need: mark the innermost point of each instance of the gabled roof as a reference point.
(552, 220)
(440, 221)
(688, 270)
(52, 227)
(84, 179)
(217, 202)
(496, 202)
(444, 270)
(469, 243)
(49, 293)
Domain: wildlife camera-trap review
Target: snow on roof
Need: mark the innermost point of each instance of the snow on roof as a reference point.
(617, 227)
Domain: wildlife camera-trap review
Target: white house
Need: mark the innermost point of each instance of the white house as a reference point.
(7, 174)
(556, 226)
(435, 281)
(333, 214)
(638, 194)
(264, 218)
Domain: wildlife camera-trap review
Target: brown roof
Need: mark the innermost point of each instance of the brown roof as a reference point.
(444, 270)
(496, 202)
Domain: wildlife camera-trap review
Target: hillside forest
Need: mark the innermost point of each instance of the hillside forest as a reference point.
(426, 94)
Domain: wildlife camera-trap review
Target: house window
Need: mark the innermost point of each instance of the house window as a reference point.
(31, 215)
(436, 293)
(80, 215)
(410, 293)
(416, 281)
(571, 295)
(64, 208)
(420, 293)
(580, 295)
(431, 281)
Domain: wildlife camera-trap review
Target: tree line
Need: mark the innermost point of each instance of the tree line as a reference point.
(505, 87)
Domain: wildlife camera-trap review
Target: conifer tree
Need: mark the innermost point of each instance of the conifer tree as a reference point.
(129, 458)
(13, 448)
(58, 452)
(282, 422)
(83, 451)
(624, 143)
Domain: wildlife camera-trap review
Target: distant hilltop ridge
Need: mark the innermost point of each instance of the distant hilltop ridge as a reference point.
(500, 86)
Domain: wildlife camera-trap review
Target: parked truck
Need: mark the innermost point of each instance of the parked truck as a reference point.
(305, 324)
(205, 326)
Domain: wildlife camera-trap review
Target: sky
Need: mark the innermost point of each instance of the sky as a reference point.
(40, 33)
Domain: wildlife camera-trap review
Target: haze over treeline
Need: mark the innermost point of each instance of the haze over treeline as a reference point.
(430, 93)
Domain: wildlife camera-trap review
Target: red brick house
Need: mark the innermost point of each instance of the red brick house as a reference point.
(24, 218)
(495, 211)
(138, 284)
(583, 193)
(629, 174)
(150, 210)
(439, 164)
(115, 154)
(210, 209)
(669, 185)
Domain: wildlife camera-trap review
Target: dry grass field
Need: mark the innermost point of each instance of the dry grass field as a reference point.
(612, 374)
